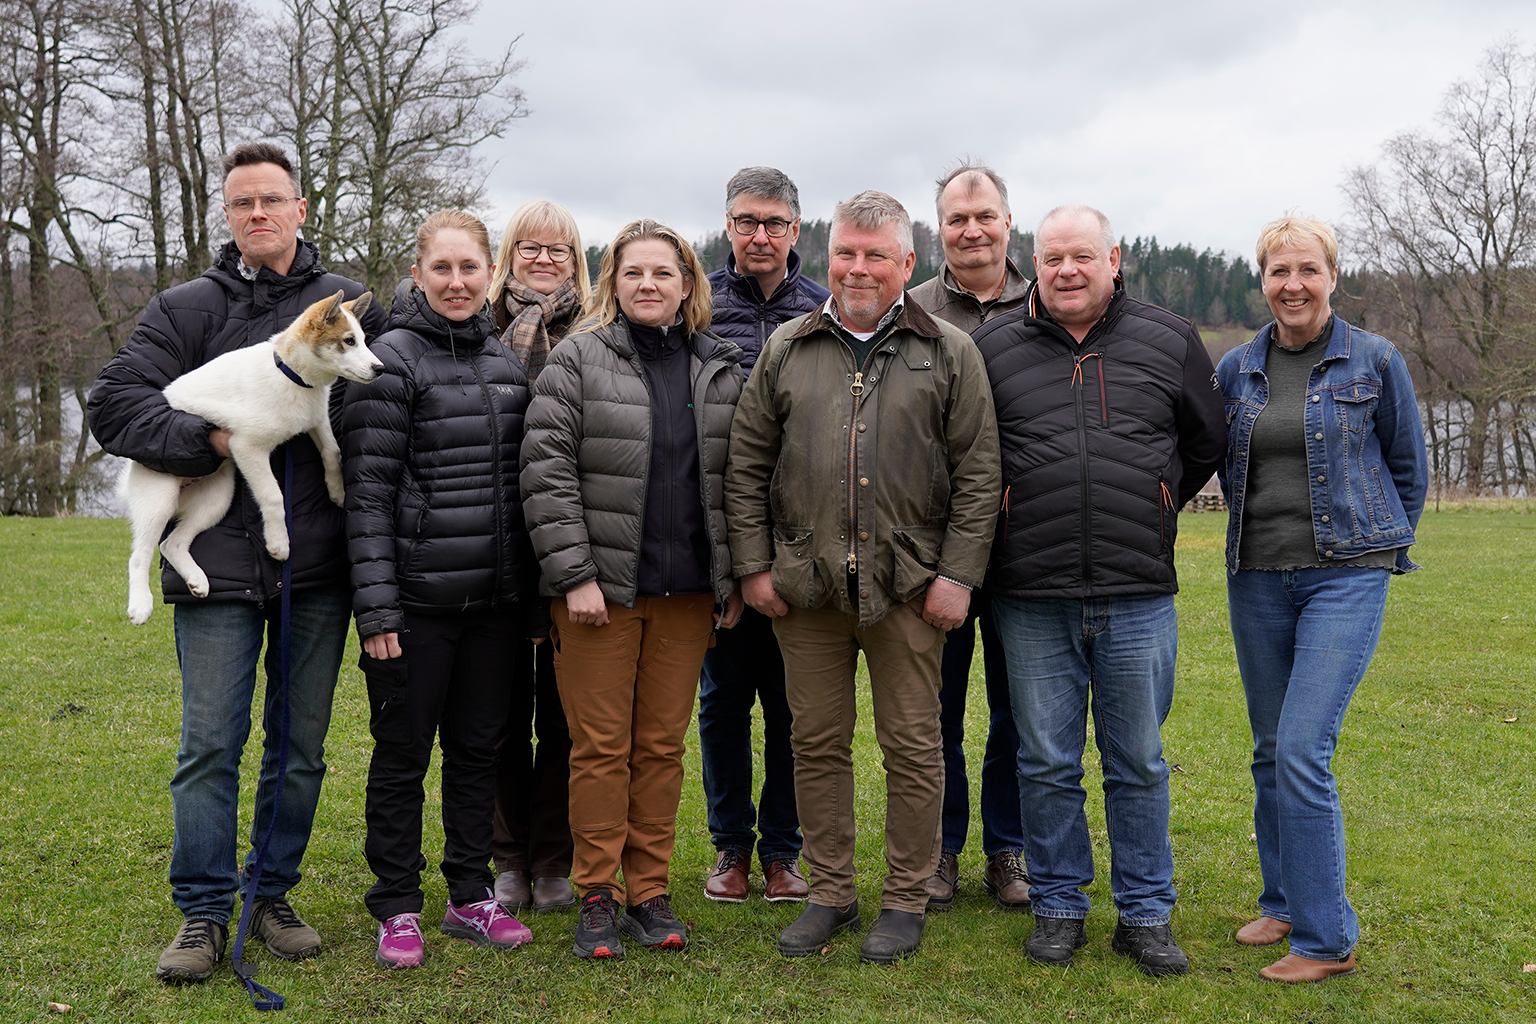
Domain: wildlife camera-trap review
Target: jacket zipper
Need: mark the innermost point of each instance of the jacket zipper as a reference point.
(856, 389)
(1086, 525)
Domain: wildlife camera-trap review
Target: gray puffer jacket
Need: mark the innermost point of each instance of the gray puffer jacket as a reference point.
(586, 454)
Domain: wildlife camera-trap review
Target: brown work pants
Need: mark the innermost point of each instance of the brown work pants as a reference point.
(821, 648)
(628, 690)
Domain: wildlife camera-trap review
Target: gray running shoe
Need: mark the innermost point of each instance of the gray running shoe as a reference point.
(192, 954)
(274, 922)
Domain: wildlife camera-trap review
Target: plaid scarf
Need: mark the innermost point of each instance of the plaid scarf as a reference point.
(532, 316)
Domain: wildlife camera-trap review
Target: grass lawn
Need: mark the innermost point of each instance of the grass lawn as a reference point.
(1435, 766)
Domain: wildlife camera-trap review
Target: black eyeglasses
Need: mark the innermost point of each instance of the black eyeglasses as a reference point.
(777, 227)
(529, 250)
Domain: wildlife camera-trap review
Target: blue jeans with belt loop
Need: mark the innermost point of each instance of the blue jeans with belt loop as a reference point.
(1114, 655)
(1304, 638)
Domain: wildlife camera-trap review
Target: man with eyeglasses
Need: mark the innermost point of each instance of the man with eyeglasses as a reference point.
(260, 282)
(759, 288)
(976, 282)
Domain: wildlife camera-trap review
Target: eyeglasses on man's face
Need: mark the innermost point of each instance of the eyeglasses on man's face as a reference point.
(270, 204)
(529, 250)
(777, 227)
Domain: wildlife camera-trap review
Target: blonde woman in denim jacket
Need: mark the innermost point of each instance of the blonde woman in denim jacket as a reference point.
(1325, 477)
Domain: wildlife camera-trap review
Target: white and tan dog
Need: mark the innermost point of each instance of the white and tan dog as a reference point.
(263, 395)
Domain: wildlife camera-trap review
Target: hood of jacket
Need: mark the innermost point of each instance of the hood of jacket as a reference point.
(268, 286)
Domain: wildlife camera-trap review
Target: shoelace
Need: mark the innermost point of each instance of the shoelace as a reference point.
(659, 907)
(402, 925)
(729, 859)
(199, 932)
(599, 912)
(281, 912)
(1013, 869)
(782, 864)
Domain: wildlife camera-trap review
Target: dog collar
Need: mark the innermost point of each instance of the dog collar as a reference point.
(288, 371)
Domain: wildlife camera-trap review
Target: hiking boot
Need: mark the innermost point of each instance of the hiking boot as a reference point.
(1152, 947)
(653, 925)
(198, 945)
(400, 942)
(894, 936)
(274, 922)
(783, 882)
(597, 929)
(1007, 881)
(814, 928)
(944, 882)
(485, 923)
(727, 881)
(1055, 939)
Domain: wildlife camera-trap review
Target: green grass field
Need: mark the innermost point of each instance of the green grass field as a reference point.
(1435, 767)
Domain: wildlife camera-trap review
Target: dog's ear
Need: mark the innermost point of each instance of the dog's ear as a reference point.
(333, 308)
(359, 305)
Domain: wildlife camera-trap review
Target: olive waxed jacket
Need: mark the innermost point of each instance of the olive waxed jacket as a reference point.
(890, 471)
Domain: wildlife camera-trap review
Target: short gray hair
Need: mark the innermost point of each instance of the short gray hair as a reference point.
(871, 211)
(765, 183)
(971, 172)
(1106, 233)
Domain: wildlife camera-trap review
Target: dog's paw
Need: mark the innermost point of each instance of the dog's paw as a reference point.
(338, 494)
(139, 609)
(198, 583)
(277, 544)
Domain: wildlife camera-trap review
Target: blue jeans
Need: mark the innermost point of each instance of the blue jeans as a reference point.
(218, 645)
(1115, 655)
(1000, 826)
(1304, 638)
(745, 665)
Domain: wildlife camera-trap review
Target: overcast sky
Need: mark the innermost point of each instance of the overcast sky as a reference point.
(1192, 120)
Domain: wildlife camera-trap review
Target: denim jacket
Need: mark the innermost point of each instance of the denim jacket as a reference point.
(1366, 464)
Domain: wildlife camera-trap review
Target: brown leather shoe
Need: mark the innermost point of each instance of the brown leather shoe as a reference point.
(513, 891)
(727, 881)
(943, 883)
(783, 882)
(1266, 931)
(553, 892)
(1293, 968)
(1007, 881)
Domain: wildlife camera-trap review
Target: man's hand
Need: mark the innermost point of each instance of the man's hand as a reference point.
(946, 604)
(732, 609)
(585, 604)
(380, 646)
(219, 438)
(757, 589)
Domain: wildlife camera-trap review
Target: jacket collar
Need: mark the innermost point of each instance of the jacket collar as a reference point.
(912, 317)
(748, 285)
(1257, 356)
(1035, 307)
(1015, 284)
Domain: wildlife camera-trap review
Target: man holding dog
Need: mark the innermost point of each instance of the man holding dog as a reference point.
(259, 283)
(861, 495)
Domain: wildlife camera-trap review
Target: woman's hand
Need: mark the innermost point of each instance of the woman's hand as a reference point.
(733, 606)
(383, 646)
(585, 604)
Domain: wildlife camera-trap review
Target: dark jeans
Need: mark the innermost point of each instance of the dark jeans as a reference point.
(743, 666)
(1001, 828)
(452, 682)
(533, 786)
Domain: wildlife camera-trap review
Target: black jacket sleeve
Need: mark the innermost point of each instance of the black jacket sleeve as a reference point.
(1202, 423)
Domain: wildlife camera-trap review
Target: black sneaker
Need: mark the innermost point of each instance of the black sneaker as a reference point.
(1055, 939)
(597, 930)
(653, 925)
(1152, 947)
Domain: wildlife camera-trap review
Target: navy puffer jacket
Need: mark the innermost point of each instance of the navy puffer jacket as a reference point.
(430, 454)
(181, 329)
(743, 316)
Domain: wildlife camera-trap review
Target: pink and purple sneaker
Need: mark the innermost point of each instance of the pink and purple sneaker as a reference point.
(485, 923)
(400, 942)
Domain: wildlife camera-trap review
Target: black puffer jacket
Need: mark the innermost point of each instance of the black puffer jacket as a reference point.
(742, 315)
(181, 329)
(1102, 442)
(588, 453)
(430, 453)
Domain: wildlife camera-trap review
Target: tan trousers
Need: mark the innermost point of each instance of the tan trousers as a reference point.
(628, 690)
(821, 649)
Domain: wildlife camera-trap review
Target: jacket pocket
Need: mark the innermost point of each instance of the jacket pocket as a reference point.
(917, 559)
(387, 680)
(794, 571)
(1355, 402)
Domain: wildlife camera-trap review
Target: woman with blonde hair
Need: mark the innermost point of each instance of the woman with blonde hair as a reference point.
(538, 293)
(623, 476)
(1325, 479)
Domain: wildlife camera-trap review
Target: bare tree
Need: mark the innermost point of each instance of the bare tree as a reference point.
(1448, 222)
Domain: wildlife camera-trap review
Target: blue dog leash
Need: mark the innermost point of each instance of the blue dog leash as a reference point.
(264, 998)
